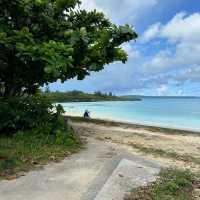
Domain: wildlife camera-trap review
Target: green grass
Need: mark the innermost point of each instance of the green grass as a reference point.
(27, 150)
(172, 184)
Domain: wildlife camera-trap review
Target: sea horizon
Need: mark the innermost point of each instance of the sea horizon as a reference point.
(161, 96)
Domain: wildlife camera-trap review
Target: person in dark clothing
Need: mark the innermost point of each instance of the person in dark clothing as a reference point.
(86, 114)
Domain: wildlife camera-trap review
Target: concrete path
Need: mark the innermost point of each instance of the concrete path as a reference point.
(103, 171)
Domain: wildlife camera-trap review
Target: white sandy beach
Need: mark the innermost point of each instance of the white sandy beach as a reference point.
(118, 120)
(179, 149)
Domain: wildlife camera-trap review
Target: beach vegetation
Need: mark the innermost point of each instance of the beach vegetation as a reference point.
(26, 112)
(172, 184)
(31, 134)
(31, 149)
(41, 42)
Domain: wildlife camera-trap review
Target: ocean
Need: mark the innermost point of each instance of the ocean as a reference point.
(174, 112)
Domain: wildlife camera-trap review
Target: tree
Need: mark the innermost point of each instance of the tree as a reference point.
(98, 93)
(42, 41)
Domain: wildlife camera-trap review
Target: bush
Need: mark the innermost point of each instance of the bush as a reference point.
(172, 184)
(24, 113)
(32, 132)
(26, 150)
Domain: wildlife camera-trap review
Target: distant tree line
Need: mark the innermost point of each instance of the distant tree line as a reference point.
(79, 96)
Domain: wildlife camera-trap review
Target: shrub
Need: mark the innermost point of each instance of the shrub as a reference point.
(23, 113)
(172, 184)
(26, 150)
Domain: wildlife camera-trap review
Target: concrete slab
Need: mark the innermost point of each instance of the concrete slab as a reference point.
(125, 177)
(137, 169)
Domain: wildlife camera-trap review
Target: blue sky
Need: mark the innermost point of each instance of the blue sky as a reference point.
(165, 60)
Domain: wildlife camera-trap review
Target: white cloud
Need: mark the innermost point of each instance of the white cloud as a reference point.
(162, 89)
(192, 74)
(183, 33)
(181, 27)
(90, 5)
(152, 32)
(160, 61)
(120, 11)
(131, 51)
(180, 92)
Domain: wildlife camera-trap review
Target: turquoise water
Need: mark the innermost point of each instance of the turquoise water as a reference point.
(166, 112)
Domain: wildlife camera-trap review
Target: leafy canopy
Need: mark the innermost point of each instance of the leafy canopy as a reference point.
(42, 41)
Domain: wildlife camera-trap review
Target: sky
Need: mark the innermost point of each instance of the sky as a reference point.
(164, 60)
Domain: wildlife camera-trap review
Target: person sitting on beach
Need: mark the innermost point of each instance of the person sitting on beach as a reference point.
(86, 114)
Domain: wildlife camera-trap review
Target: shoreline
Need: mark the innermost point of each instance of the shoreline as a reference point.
(115, 121)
